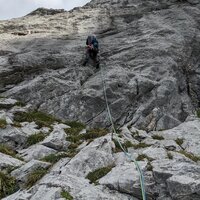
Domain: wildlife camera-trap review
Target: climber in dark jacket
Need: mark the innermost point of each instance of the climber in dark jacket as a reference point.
(92, 49)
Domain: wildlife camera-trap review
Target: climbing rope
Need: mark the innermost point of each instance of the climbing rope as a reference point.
(127, 154)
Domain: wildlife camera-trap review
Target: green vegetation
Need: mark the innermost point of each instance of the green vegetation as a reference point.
(17, 125)
(179, 141)
(53, 158)
(99, 173)
(158, 137)
(169, 155)
(66, 195)
(35, 176)
(135, 134)
(198, 113)
(128, 144)
(94, 133)
(8, 185)
(20, 104)
(190, 156)
(3, 123)
(35, 138)
(7, 150)
(117, 146)
(75, 137)
(142, 157)
(141, 145)
(75, 124)
(149, 167)
(40, 118)
(73, 132)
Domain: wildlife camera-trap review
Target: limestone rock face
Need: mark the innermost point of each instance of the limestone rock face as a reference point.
(149, 55)
(149, 58)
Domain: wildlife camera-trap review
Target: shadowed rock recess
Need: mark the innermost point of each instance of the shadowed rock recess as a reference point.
(150, 60)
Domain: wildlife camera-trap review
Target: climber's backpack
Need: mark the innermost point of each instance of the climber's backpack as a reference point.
(92, 40)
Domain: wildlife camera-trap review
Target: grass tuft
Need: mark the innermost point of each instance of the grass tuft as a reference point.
(141, 145)
(7, 150)
(20, 104)
(53, 158)
(94, 133)
(99, 173)
(3, 123)
(190, 156)
(75, 124)
(66, 195)
(143, 157)
(40, 118)
(8, 185)
(198, 113)
(179, 141)
(158, 137)
(35, 138)
(34, 176)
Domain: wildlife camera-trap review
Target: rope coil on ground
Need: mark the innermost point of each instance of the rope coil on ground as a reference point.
(127, 154)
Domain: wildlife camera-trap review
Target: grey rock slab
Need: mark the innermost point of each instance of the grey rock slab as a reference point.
(96, 155)
(47, 193)
(66, 181)
(184, 186)
(99, 193)
(29, 128)
(35, 152)
(155, 153)
(190, 133)
(164, 169)
(21, 174)
(9, 161)
(125, 179)
(20, 195)
(7, 103)
(59, 166)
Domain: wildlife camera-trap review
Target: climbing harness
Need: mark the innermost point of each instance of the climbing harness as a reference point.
(127, 154)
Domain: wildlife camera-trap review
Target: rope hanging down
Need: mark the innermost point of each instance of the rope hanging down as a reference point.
(127, 154)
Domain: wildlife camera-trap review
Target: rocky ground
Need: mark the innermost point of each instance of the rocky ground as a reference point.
(42, 156)
(149, 52)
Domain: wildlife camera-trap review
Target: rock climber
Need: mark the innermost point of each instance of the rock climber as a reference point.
(92, 49)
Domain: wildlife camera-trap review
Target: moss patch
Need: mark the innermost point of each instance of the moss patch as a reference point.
(35, 138)
(66, 195)
(34, 176)
(99, 173)
(3, 123)
(158, 137)
(8, 185)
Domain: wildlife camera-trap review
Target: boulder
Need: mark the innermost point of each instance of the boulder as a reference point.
(35, 152)
(8, 161)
